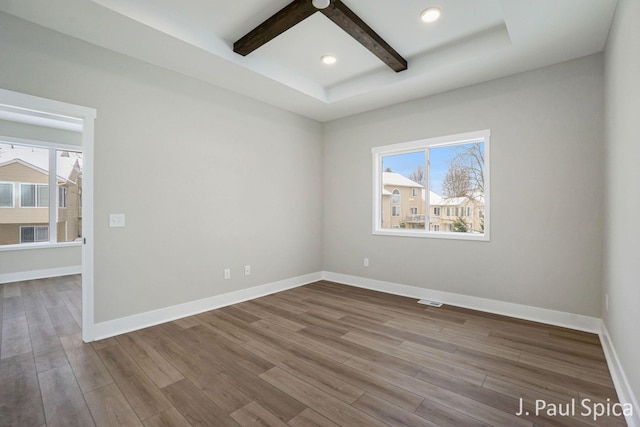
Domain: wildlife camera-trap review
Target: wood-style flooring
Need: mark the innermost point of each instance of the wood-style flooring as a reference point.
(319, 355)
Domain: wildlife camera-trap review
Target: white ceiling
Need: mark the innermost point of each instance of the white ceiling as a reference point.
(474, 41)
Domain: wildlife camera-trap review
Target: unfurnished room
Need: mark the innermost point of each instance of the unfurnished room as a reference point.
(319, 213)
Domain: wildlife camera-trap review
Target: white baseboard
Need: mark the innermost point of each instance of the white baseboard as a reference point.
(40, 274)
(536, 314)
(625, 392)
(139, 321)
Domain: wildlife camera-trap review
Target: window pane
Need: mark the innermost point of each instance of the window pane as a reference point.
(6, 195)
(41, 234)
(69, 171)
(403, 179)
(24, 173)
(27, 234)
(456, 177)
(27, 195)
(43, 196)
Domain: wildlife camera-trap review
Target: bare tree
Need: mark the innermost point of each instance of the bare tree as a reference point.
(465, 177)
(417, 175)
(457, 182)
(471, 157)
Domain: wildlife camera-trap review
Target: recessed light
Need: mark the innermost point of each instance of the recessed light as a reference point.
(430, 15)
(321, 4)
(328, 59)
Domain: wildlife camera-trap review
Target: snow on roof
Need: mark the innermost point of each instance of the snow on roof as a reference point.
(38, 158)
(434, 199)
(397, 180)
(457, 201)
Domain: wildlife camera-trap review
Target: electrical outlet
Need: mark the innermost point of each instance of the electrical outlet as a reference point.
(606, 302)
(366, 262)
(247, 270)
(227, 273)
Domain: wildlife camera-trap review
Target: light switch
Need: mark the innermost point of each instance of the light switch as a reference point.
(116, 220)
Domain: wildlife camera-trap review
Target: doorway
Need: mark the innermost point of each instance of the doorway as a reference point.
(24, 115)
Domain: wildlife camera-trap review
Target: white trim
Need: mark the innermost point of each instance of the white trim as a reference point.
(39, 274)
(536, 314)
(143, 320)
(620, 381)
(43, 105)
(88, 303)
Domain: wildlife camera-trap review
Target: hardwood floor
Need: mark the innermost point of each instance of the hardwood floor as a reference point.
(319, 355)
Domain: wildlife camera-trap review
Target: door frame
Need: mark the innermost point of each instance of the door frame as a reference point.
(34, 105)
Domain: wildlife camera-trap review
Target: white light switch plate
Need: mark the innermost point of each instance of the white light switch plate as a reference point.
(116, 220)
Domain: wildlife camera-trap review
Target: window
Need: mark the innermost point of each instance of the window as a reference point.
(34, 196)
(395, 198)
(62, 197)
(41, 187)
(33, 234)
(6, 194)
(452, 171)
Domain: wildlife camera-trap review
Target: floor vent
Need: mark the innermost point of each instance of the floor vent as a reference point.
(430, 303)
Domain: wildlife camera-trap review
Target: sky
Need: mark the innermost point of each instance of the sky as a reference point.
(39, 157)
(406, 163)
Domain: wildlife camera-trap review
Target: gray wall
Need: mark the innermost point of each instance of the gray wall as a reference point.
(207, 179)
(622, 263)
(30, 260)
(547, 171)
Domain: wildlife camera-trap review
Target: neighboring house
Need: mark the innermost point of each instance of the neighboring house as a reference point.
(24, 200)
(444, 212)
(401, 200)
(403, 206)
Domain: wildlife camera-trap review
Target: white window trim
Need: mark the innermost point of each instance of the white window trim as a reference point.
(393, 194)
(411, 147)
(13, 195)
(62, 191)
(36, 199)
(34, 233)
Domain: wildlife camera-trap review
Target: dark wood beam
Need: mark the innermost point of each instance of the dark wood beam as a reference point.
(346, 19)
(287, 17)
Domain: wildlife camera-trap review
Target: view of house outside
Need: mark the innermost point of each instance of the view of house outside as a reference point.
(455, 181)
(25, 197)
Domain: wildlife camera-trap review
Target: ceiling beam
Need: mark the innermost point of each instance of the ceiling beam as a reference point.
(346, 19)
(299, 10)
(292, 14)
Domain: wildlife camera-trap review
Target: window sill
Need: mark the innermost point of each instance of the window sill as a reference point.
(433, 235)
(27, 246)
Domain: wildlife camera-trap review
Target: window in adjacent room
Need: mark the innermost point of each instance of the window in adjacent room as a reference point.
(34, 234)
(450, 173)
(6, 194)
(40, 194)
